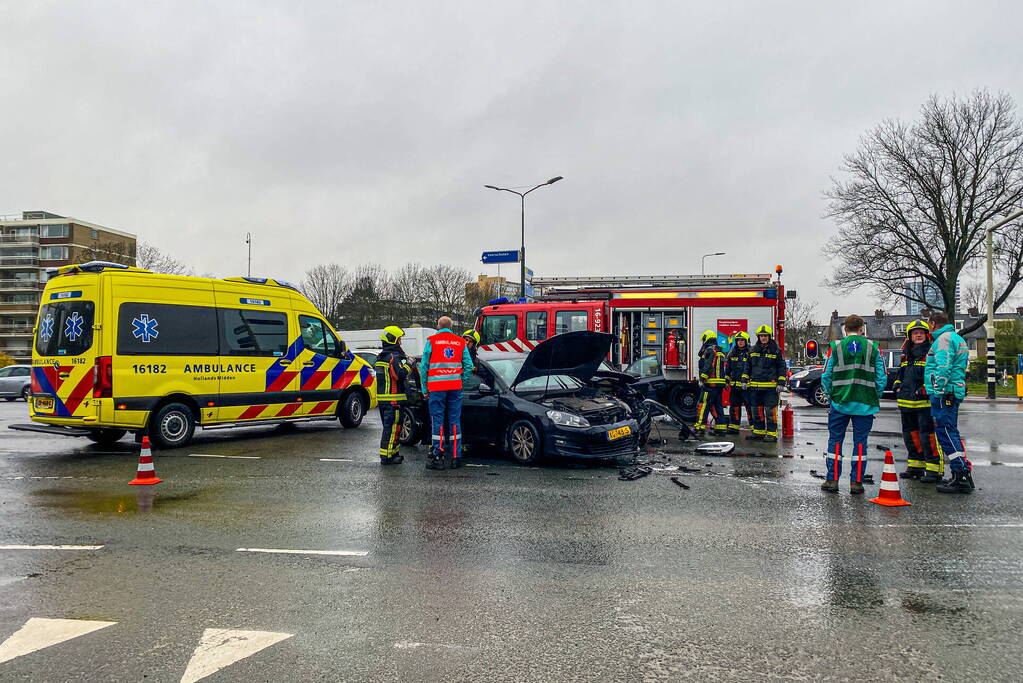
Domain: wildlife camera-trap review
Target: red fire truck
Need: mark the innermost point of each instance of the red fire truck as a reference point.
(657, 320)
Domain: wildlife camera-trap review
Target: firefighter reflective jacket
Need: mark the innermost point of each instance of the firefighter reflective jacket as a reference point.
(712, 363)
(909, 383)
(446, 362)
(767, 365)
(393, 369)
(737, 364)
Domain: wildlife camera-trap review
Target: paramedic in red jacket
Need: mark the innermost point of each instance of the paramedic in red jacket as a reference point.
(446, 363)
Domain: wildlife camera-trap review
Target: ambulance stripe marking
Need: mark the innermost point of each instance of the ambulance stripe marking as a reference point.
(366, 376)
(321, 407)
(288, 409)
(283, 380)
(80, 392)
(315, 379)
(309, 373)
(47, 384)
(251, 412)
(346, 379)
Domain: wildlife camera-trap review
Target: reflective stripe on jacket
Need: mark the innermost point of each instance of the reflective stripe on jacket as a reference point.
(945, 369)
(854, 376)
(737, 364)
(446, 362)
(712, 364)
(909, 383)
(767, 366)
(392, 370)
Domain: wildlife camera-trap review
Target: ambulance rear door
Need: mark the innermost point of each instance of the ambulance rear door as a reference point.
(66, 346)
(260, 348)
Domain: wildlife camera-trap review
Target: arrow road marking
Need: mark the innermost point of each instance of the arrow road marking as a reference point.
(222, 647)
(50, 547)
(285, 551)
(39, 633)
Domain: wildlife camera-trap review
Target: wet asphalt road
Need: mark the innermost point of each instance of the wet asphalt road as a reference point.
(499, 572)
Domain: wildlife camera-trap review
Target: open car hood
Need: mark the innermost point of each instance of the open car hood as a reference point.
(577, 354)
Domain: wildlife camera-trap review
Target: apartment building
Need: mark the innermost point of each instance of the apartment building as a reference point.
(31, 242)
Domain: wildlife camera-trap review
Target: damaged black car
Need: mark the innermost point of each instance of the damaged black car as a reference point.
(559, 400)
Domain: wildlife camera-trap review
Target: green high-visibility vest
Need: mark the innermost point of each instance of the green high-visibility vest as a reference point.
(852, 376)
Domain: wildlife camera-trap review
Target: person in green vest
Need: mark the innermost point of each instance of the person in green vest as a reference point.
(854, 377)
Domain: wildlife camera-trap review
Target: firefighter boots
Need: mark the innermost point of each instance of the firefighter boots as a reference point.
(961, 482)
(911, 473)
(931, 478)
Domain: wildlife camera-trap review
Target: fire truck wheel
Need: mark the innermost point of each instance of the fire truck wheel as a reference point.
(684, 400)
(106, 437)
(523, 442)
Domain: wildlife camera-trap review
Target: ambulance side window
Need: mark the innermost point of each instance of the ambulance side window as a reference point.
(318, 338)
(253, 333)
(65, 328)
(498, 328)
(167, 330)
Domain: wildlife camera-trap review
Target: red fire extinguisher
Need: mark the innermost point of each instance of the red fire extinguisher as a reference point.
(671, 350)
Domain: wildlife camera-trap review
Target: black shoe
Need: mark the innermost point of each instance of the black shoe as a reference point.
(456, 462)
(911, 473)
(435, 461)
(961, 482)
(732, 430)
(770, 439)
(830, 486)
(755, 437)
(855, 487)
(930, 478)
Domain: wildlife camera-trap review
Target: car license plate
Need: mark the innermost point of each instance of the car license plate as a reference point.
(44, 403)
(619, 433)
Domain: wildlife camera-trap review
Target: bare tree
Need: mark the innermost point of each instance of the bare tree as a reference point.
(408, 293)
(327, 286)
(152, 258)
(918, 196)
(366, 306)
(446, 288)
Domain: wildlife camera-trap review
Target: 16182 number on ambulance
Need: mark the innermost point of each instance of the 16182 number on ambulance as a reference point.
(120, 349)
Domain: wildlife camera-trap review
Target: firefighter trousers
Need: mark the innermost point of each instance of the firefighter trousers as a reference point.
(921, 444)
(738, 398)
(764, 403)
(712, 407)
(390, 418)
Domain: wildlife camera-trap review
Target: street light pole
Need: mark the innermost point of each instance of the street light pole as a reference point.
(703, 261)
(248, 241)
(522, 207)
(991, 301)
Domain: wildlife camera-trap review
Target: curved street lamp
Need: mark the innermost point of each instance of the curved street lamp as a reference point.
(522, 202)
(703, 261)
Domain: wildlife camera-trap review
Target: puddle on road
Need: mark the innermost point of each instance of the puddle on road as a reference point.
(98, 503)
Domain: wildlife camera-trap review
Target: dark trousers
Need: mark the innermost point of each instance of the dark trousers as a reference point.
(712, 406)
(837, 424)
(446, 419)
(765, 411)
(918, 434)
(946, 429)
(738, 398)
(390, 418)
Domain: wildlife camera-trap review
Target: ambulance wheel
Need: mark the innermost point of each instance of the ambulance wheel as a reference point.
(351, 410)
(173, 426)
(106, 437)
(523, 442)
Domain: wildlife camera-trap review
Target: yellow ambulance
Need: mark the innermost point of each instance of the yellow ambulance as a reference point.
(121, 349)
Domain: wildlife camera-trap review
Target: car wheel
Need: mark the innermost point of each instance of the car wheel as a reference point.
(106, 437)
(10, 398)
(818, 397)
(523, 442)
(26, 392)
(408, 428)
(173, 426)
(684, 400)
(351, 410)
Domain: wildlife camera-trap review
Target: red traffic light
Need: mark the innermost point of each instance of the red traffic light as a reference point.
(811, 348)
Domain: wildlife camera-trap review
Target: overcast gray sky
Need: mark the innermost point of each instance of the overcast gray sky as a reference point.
(365, 131)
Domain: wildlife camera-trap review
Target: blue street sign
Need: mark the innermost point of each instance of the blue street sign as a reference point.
(508, 256)
(529, 274)
(530, 292)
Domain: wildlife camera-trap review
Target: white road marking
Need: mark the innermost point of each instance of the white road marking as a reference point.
(50, 547)
(235, 457)
(222, 647)
(286, 551)
(473, 464)
(336, 460)
(39, 633)
(952, 526)
(414, 645)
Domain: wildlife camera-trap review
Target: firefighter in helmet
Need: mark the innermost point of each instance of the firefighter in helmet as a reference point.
(924, 460)
(737, 378)
(472, 342)
(766, 380)
(392, 371)
(712, 381)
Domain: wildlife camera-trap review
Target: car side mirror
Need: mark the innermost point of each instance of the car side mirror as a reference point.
(485, 388)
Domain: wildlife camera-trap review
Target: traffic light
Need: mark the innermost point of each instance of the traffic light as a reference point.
(811, 348)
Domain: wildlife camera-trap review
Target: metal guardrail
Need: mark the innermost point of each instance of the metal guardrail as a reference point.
(19, 239)
(16, 329)
(9, 261)
(21, 285)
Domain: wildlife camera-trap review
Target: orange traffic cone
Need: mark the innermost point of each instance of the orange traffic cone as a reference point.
(146, 473)
(889, 494)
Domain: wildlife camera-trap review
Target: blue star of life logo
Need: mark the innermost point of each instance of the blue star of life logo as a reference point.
(46, 329)
(144, 328)
(853, 346)
(449, 353)
(73, 326)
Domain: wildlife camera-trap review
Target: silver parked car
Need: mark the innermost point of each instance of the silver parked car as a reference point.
(16, 382)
